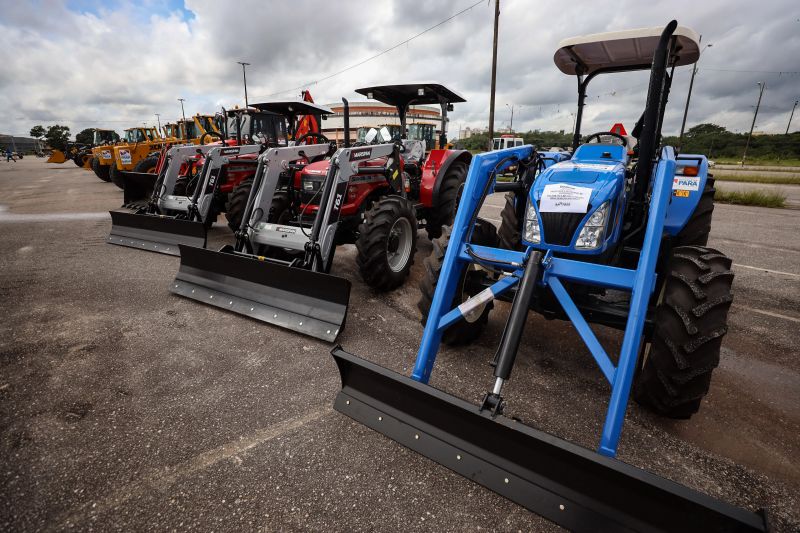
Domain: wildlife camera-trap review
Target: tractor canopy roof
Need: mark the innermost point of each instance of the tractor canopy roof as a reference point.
(620, 51)
(290, 108)
(423, 93)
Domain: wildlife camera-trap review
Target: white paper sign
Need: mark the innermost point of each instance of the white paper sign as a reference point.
(125, 157)
(564, 198)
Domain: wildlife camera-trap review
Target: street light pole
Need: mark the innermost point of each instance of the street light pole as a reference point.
(790, 118)
(689, 96)
(762, 85)
(244, 77)
(183, 114)
(158, 117)
(511, 124)
(494, 73)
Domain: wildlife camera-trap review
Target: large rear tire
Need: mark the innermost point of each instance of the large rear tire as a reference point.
(116, 176)
(509, 234)
(444, 211)
(148, 165)
(387, 243)
(470, 328)
(695, 232)
(691, 321)
(237, 203)
(101, 171)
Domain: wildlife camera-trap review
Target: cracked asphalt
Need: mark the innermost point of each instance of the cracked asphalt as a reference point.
(126, 408)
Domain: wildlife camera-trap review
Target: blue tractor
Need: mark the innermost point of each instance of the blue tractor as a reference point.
(613, 235)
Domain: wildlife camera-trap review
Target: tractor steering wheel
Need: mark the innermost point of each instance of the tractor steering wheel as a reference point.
(210, 134)
(320, 137)
(603, 133)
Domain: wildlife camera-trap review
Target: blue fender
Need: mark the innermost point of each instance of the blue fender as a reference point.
(686, 191)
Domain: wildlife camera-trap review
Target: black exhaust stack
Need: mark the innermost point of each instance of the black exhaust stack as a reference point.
(346, 123)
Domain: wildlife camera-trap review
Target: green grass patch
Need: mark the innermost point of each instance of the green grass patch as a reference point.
(757, 162)
(756, 198)
(790, 180)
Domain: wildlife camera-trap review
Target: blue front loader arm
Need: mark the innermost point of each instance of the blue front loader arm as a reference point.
(640, 282)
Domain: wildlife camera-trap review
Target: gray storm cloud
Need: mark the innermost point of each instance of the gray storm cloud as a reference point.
(118, 65)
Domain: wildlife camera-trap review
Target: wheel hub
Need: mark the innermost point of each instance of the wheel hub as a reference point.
(398, 244)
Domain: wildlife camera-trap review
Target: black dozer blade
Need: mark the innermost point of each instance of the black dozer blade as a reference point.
(154, 233)
(308, 302)
(561, 481)
(137, 186)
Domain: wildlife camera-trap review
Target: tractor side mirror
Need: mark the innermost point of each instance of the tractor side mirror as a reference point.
(450, 107)
(370, 136)
(386, 135)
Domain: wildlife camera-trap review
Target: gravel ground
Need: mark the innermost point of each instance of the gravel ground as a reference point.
(123, 407)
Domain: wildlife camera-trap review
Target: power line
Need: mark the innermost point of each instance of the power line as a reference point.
(367, 60)
(779, 72)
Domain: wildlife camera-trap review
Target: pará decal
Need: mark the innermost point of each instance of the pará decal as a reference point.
(357, 155)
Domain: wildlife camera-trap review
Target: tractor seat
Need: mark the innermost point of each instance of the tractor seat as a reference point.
(414, 151)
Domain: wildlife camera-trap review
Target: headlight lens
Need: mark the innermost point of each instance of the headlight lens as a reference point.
(533, 232)
(309, 185)
(591, 234)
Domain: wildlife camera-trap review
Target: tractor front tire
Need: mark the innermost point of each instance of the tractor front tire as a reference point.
(101, 171)
(690, 322)
(148, 165)
(443, 213)
(116, 176)
(509, 234)
(387, 242)
(237, 203)
(695, 232)
(470, 328)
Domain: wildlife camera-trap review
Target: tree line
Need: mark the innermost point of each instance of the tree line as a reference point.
(57, 136)
(708, 139)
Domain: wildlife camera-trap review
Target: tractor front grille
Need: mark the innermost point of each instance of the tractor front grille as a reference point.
(559, 228)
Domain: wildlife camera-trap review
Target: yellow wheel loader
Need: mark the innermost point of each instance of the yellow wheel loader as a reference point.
(80, 153)
(142, 155)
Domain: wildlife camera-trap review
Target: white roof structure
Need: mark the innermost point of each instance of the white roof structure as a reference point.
(623, 50)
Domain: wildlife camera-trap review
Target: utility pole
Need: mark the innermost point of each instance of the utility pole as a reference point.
(790, 117)
(762, 85)
(183, 114)
(689, 96)
(158, 117)
(494, 72)
(244, 77)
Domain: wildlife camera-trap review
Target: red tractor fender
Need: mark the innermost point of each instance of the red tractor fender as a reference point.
(436, 166)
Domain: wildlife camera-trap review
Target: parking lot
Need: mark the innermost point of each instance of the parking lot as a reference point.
(124, 407)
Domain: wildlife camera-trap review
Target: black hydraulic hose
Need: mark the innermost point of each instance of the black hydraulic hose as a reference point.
(512, 334)
(323, 204)
(483, 261)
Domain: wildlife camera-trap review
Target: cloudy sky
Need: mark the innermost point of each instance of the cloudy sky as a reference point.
(115, 64)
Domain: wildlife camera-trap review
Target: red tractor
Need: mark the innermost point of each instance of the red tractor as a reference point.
(372, 215)
(194, 184)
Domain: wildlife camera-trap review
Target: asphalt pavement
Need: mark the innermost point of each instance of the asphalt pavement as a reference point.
(124, 407)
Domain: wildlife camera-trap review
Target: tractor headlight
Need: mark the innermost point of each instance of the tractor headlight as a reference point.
(591, 234)
(533, 232)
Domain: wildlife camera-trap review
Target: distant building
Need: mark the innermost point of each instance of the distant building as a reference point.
(374, 115)
(20, 144)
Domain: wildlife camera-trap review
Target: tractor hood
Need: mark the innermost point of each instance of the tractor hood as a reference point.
(565, 197)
